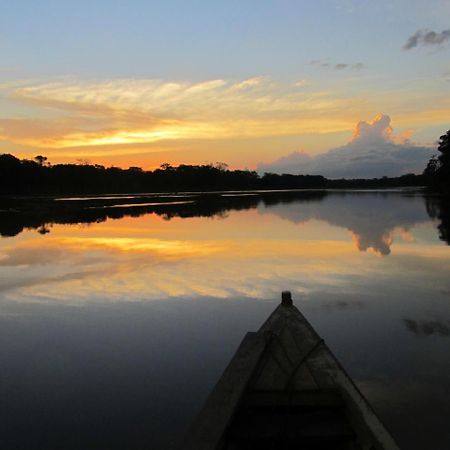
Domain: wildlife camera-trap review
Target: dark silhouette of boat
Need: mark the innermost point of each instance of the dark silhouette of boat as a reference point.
(284, 389)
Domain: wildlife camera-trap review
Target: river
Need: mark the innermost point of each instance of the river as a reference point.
(118, 316)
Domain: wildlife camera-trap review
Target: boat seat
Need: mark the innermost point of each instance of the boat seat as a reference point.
(297, 420)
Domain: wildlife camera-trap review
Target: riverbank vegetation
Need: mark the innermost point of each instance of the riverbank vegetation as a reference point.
(39, 177)
(437, 172)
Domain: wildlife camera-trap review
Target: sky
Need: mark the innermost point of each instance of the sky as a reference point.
(249, 83)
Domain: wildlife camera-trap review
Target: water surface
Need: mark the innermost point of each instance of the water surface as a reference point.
(115, 322)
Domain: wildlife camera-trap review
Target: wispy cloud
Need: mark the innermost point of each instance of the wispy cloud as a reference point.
(145, 111)
(326, 63)
(427, 38)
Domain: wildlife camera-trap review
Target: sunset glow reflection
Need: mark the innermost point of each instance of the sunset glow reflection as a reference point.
(148, 257)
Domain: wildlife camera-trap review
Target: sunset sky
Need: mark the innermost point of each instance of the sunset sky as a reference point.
(245, 82)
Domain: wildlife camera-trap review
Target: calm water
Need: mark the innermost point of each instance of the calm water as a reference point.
(113, 330)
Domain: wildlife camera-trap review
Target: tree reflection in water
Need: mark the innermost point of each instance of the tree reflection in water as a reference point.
(370, 216)
(438, 208)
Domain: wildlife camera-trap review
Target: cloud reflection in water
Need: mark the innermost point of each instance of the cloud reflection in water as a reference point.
(255, 252)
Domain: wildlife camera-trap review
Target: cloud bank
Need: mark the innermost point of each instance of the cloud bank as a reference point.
(427, 38)
(373, 151)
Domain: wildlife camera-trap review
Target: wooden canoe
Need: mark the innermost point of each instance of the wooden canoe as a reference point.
(284, 389)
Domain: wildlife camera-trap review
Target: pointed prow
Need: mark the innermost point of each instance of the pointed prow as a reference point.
(286, 298)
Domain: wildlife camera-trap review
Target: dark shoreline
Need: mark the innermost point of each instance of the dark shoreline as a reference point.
(27, 177)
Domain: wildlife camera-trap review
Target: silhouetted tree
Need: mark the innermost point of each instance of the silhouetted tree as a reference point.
(221, 166)
(432, 167)
(444, 157)
(437, 171)
(41, 160)
(38, 177)
(8, 161)
(444, 148)
(83, 162)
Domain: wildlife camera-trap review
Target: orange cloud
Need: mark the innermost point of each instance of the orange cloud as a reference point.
(146, 111)
(380, 128)
(72, 118)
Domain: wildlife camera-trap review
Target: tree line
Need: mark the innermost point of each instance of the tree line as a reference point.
(40, 177)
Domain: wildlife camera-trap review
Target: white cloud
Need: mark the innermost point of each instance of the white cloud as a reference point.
(373, 151)
(301, 83)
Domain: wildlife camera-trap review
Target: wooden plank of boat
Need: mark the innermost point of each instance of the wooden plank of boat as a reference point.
(284, 389)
